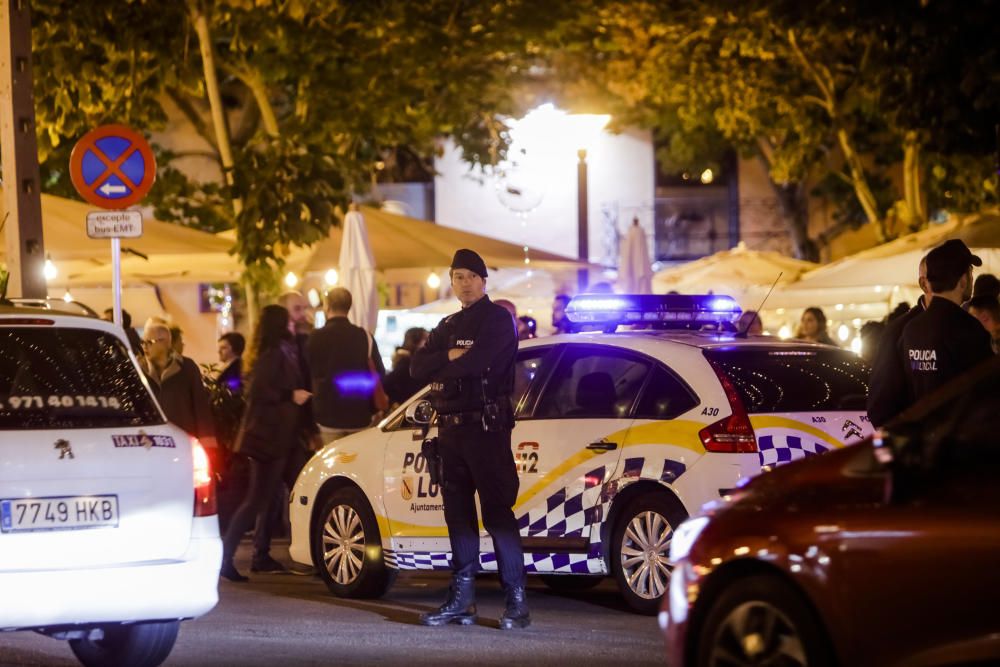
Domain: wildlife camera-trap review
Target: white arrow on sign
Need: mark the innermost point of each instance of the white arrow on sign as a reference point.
(108, 189)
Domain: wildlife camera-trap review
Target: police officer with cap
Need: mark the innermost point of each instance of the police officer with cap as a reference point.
(944, 341)
(469, 361)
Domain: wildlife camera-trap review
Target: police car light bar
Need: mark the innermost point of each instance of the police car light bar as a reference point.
(658, 311)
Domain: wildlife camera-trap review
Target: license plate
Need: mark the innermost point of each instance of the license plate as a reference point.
(58, 513)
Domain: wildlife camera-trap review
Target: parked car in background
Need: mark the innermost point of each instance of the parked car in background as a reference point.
(619, 437)
(885, 553)
(108, 528)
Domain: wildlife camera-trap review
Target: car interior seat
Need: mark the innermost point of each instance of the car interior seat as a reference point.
(595, 396)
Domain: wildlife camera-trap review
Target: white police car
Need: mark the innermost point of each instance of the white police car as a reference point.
(619, 437)
(108, 531)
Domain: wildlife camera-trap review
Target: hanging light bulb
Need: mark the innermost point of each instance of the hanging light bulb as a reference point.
(433, 280)
(314, 298)
(843, 332)
(331, 277)
(67, 297)
(291, 280)
(785, 332)
(49, 270)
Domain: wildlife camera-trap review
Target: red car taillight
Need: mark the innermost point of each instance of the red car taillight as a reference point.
(204, 485)
(733, 434)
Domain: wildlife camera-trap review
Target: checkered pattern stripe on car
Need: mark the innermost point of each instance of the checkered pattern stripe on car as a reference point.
(561, 515)
(569, 512)
(783, 448)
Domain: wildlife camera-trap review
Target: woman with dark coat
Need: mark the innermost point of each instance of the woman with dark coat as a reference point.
(267, 434)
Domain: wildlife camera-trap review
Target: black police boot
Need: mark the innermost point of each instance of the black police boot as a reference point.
(460, 607)
(516, 614)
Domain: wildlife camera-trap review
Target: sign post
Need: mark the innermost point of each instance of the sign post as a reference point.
(113, 167)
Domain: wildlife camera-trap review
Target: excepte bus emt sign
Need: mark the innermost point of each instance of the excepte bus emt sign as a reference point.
(114, 224)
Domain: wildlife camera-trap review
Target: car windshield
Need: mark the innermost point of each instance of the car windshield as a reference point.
(811, 379)
(69, 378)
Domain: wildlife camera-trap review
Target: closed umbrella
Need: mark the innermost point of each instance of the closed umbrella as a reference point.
(634, 273)
(357, 271)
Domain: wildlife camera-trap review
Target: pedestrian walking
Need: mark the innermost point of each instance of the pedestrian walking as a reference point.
(267, 435)
(944, 341)
(345, 376)
(469, 360)
(888, 390)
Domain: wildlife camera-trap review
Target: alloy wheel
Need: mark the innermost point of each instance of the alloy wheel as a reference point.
(644, 554)
(343, 544)
(757, 633)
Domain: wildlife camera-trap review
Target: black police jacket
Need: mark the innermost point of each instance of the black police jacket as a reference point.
(888, 389)
(941, 343)
(487, 331)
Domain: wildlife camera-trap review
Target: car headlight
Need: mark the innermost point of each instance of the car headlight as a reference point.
(684, 537)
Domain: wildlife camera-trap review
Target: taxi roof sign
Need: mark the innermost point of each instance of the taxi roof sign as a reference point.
(653, 311)
(112, 166)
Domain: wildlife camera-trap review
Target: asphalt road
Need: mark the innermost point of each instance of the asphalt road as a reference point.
(289, 620)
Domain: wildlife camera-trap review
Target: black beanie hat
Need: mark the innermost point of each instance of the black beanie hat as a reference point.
(470, 260)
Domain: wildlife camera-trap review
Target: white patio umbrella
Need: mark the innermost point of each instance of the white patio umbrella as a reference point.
(635, 275)
(357, 271)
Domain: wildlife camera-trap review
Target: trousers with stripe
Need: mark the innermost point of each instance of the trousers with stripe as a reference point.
(475, 460)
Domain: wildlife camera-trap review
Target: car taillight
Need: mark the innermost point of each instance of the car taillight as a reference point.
(733, 434)
(204, 485)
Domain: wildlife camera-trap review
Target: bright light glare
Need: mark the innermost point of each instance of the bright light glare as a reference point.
(707, 176)
(291, 280)
(843, 332)
(433, 280)
(785, 332)
(67, 297)
(49, 270)
(331, 277)
(856, 345)
(314, 298)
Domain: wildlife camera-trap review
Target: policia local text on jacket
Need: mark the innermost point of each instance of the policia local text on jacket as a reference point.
(471, 394)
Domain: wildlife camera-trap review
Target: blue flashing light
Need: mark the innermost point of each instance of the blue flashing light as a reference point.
(355, 384)
(656, 311)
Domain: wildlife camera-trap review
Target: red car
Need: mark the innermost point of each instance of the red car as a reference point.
(884, 553)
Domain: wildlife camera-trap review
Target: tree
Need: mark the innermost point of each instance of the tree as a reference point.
(319, 93)
(834, 95)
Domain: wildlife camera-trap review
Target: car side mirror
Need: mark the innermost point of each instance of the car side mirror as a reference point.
(419, 412)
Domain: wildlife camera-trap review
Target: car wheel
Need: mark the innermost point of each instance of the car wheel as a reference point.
(349, 547)
(640, 544)
(571, 583)
(761, 620)
(136, 645)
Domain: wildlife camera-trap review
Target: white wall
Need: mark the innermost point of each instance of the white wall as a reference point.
(620, 177)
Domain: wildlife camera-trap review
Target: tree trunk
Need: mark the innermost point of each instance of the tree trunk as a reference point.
(795, 215)
(912, 184)
(199, 18)
(861, 188)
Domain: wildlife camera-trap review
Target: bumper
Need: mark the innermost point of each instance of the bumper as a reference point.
(300, 516)
(154, 590)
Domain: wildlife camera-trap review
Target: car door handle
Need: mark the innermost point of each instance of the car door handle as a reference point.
(603, 446)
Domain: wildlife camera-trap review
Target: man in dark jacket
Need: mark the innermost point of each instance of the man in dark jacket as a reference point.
(342, 379)
(177, 385)
(469, 359)
(944, 341)
(888, 391)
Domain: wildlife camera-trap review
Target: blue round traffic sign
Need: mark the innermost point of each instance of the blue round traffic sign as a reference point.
(112, 167)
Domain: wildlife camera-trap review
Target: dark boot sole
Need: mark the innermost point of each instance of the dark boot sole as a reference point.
(451, 620)
(514, 623)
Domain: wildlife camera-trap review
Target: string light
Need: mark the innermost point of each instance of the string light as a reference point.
(49, 270)
(67, 297)
(291, 280)
(331, 277)
(433, 280)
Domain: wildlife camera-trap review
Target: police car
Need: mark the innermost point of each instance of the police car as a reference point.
(620, 436)
(108, 530)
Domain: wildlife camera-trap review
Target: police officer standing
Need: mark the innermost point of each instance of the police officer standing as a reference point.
(469, 359)
(944, 341)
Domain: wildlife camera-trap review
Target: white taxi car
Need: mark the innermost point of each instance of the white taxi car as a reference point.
(619, 437)
(108, 529)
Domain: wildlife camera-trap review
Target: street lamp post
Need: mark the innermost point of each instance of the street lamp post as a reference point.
(582, 230)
